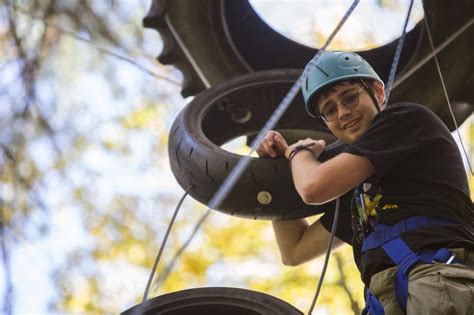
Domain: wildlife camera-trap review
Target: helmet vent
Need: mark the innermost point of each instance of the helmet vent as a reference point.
(356, 69)
(347, 58)
(322, 71)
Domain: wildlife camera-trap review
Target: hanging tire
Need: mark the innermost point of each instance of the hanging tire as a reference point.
(214, 300)
(211, 41)
(241, 107)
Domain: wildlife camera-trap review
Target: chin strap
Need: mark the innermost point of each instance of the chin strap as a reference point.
(371, 94)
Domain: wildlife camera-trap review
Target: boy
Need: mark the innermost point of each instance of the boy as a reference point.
(411, 221)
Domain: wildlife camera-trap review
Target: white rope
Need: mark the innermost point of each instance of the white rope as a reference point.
(243, 163)
(187, 53)
(163, 243)
(167, 270)
(428, 57)
(396, 58)
(328, 254)
(446, 95)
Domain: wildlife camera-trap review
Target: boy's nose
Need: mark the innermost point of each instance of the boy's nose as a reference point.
(343, 111)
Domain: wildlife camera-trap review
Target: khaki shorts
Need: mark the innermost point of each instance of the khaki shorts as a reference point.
(432, 288)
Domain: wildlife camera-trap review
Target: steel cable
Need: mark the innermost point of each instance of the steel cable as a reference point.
(230, 181)
(396, 57)
(163, 243)
(328, 254)
(243, 163)
(446, 95)
(409, 72)
(167, 270)
(237, 171)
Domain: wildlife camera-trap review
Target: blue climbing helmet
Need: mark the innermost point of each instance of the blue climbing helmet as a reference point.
(332, 67)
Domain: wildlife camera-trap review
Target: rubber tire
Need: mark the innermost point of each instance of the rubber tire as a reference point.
(214, 300)
(225, 40)
(197, 159)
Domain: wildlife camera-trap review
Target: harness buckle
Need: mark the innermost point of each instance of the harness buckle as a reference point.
(450, 260)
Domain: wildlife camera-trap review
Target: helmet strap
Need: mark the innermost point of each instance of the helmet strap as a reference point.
(371, 93)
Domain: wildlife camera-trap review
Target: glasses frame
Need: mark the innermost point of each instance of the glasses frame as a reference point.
(321, 116)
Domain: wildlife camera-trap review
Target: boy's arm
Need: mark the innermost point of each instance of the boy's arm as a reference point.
(318, 183)
(300, 241)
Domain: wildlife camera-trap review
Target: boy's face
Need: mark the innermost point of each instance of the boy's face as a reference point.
(348, 125)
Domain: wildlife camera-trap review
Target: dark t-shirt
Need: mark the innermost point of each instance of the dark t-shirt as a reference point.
(418, 171)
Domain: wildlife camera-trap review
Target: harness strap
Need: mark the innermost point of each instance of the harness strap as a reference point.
(372, 305)
(406, 259)
(388, 237)
(384, 233)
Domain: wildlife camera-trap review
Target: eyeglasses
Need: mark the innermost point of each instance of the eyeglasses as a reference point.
(349, 101)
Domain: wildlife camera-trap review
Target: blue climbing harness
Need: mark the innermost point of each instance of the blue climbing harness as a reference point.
(388, 237)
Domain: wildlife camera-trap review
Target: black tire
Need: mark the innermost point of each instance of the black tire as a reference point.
(226, 39)
(216, 116)
(213, 117)
(214, 300)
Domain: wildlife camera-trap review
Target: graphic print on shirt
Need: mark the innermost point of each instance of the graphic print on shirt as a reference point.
(368, 205)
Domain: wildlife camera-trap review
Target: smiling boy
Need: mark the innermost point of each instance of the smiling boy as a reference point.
(411, 220)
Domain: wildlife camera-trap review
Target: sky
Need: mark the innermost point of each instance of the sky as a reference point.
(295, 19)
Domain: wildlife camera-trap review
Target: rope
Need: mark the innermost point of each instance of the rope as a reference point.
(446, 95)
(328, 254)
(163, 243)
(428, 57)
(187, 53)
(396, 58)
(166, 271)
(243, 163)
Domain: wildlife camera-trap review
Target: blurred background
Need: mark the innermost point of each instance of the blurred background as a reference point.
(86, 192)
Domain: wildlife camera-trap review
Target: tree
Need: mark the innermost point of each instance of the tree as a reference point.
(51, 50)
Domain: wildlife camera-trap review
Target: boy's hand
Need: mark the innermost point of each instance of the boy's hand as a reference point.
(272, 145)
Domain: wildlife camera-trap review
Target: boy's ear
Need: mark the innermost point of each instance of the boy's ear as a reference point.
(379, 92)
